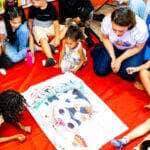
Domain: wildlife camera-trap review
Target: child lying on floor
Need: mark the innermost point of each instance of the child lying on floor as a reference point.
(11, 107)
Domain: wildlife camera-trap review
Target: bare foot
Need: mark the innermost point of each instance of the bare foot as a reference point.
(139, 86)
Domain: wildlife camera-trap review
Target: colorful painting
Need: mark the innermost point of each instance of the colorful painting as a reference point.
(71, 114)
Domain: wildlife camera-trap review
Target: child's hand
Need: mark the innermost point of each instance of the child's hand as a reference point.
(131, 70)
(73, 70)
(27, 129)
(20, 137)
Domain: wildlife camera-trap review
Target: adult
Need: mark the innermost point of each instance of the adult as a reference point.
(124, 36)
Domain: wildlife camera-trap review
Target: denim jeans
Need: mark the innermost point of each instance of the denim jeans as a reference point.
(102, 62)
(17, 51)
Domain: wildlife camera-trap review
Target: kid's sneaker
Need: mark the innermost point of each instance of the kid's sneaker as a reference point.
(3, 71)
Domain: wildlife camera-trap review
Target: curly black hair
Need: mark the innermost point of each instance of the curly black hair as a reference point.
(11, 105)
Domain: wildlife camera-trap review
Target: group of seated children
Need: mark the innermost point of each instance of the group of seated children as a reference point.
(42, 23)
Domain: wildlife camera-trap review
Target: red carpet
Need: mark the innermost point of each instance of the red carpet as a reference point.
(121, 96)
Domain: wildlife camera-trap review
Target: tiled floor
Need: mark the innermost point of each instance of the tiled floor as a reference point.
(95, 25)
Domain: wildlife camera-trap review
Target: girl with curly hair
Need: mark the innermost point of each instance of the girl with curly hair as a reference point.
(11, 106)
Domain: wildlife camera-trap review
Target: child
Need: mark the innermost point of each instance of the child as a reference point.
(144, 75)
(137, 6)
(11, 106)
(43, 22)
(3, 35)
(139, 131)
(72, 56)
(17, 34)
(144, 69)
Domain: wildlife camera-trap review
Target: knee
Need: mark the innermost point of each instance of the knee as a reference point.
(101, 71)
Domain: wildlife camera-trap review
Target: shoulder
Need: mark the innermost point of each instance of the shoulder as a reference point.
(140, 31)
(23, 27)
(106, 25)
(140, 25)
(107, 20)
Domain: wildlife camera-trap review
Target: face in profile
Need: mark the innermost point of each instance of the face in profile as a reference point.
(15, 22)
(119, 30)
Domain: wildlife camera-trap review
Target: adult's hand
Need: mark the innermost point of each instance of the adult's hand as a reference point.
(115, 65)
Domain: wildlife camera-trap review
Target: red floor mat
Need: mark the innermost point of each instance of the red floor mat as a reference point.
(121, 96)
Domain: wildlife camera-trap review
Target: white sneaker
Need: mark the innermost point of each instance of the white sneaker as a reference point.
(3, 71)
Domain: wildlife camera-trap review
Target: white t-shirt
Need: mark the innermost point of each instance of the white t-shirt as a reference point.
(137, 35)
(3, 28)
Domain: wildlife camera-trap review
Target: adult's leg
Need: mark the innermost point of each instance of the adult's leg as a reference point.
(133, 61)
(101, 60)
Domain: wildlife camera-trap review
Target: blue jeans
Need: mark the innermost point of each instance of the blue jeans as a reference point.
(17, 51)
(102, 62)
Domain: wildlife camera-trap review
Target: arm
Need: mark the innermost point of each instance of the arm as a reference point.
(62, 52)
(57, 32)
(145, 66)
(109, 47)
(132, 70)
(24, 128)
(128, 53)
(82, 60)
(131, 52)
(18, 137)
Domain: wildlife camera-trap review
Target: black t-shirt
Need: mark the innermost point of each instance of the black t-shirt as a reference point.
(47, 14)
(75, 8)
